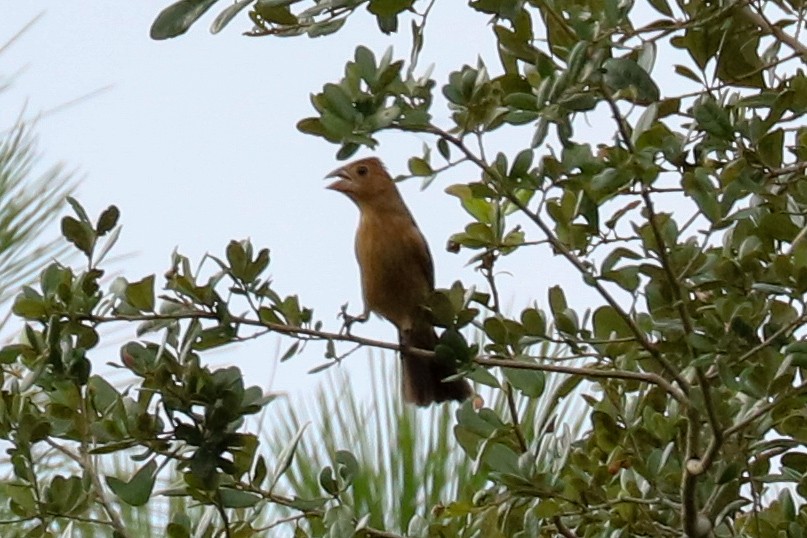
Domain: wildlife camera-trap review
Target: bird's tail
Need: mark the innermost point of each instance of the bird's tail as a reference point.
(423, 376)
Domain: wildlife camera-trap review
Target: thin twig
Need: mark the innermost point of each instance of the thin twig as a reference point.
(717, 433)
(563, 529)
(511, 403)
(584, 371)
(223, 514)
(758, 18)
(747, 421)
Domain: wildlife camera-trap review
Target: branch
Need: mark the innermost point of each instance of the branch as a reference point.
(747, 421)
(760, 20)
(680, 299)
(289, 330)
(289, 503)
(653, 379)
(511, 403)
(645, 377)
(84, 461)
(769, 340)
(714, 424)
(565, 531)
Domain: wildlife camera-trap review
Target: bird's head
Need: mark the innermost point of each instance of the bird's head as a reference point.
(363, 181)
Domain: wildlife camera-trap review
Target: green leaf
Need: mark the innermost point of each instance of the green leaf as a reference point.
(29, 307)
(796, 461)
(237, 258)
(224, 18)
(419, 167)
(534, 322)
(285, 458)
(177, 18)
(770, 148)
(107, 220)
(179, 527)
(137, 491)
(388, 8)
(257, 266)
(608, 323)
(444, 149)
(557, 300)
(22, 496)
(339, 102)
(271, 12)
(365, 63)
(140, 294)
(522, 163)
(730, 473)
(347, 150)
(606, 431)
(496, 330)
(329, 27)
(214, 337)
(645, 121)
(624, 74)
(78, 233)
(103, 394)
(713, 118)
(348, 465)
(685, 71)
(234, 498)
(662, 6)
(312, 126)
(328, 482)
(476, 206)
(9, 353)
(79, 209)
(529, 382)
(499, 457)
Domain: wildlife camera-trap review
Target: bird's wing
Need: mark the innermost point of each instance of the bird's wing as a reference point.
(421, 255)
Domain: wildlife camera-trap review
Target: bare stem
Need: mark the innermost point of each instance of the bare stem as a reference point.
(511, 403)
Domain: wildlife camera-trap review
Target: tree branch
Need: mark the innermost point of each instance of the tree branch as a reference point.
(653, 379)
(313, 334)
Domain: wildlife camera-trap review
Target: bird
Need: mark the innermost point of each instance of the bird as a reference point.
(397, 278)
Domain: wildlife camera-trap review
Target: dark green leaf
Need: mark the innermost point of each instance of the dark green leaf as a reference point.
(140, 294)
(177, 18)
(78, 233)
(419, 167)
(388, 8)
(136, 491)
(107, 220)
(770, 148)
(662, 6)
(713, 118)
(529, 382)
(624, 74)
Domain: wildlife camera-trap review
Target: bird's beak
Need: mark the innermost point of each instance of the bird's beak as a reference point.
(343, 184)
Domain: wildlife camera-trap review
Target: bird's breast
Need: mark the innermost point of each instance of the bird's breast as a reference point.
(392, 283)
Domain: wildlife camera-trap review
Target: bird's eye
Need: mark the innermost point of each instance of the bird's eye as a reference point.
(361, 170)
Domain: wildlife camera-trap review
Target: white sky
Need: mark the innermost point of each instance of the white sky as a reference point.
(196, 144)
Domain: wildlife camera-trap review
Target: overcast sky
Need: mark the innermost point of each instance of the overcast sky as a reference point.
(195, 141)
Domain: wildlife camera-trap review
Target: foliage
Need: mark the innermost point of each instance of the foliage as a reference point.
(28, 205)
(685, 216)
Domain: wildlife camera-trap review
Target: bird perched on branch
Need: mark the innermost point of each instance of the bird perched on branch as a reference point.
(397, 276)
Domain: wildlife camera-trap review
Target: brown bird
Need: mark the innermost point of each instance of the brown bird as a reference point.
(397, 277)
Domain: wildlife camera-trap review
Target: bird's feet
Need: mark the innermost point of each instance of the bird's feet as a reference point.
(348, 320)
